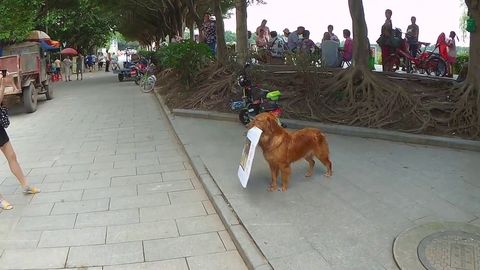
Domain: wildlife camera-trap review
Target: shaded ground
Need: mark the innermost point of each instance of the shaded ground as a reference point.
(349, 221)
(296, 85)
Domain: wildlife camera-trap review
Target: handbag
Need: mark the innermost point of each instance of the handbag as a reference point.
(4, 122)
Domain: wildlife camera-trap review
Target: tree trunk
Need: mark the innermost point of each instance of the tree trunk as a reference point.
(361, 49)
(474, 58)
(242, 39)
(220, 31)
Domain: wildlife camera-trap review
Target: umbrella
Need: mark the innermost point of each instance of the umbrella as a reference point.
(38, 35)
(69, 51)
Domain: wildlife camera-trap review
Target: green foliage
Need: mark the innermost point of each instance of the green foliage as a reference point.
(83, 27)
(461, 59)
(17, 19)
(230, 37)
(186, 57)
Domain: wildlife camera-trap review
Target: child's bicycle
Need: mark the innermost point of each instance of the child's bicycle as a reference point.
(146, 78)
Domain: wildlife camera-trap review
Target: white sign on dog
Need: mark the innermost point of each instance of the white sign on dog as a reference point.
(253, 136)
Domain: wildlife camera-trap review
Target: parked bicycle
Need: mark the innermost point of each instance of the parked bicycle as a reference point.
(146, 78)
(428, 62)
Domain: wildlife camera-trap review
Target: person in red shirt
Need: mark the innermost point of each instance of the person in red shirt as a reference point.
(347, 46)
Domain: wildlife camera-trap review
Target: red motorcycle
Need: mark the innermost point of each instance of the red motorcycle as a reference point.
(428, 62)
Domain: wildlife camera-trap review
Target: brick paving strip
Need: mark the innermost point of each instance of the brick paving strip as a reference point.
(118, 191)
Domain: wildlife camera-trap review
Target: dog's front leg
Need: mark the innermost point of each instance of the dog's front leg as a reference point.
(286, 171)
(274, 174)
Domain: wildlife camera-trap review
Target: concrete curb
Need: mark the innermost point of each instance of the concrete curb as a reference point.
(372, 133)
(246, 246)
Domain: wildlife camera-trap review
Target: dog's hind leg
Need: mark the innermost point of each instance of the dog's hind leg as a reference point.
(311, 164)
(322, 155)
(286, 171)
(274, 174)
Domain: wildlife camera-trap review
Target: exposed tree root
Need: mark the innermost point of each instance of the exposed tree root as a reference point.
(465, 117)
(360, 97)
(351, 97)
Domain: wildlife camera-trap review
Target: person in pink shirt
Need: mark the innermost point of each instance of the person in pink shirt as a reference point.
(347, 46)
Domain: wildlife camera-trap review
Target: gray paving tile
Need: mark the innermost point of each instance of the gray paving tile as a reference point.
(30, 210)
(87, 184)
(229, 260)
(92, 167)
(37, 258)
(178, 175)
(111, 254)
(209, 207)
(114, 158)
(45, 171)
(141, 231)
(122, 191)
(84, 206)
(164, 187)
(66, 177)
(135, 163)
(113, 172)
(19, 239)
(184, 246)
(176, 264)
(46, 223)
(227, 240)
(148, 200)
(73, 160)
(61, 196)
(135, 180)
(158, 213)
(154, 169)
(187, 196)
(197, 225)
(73, 237)
(107, 218)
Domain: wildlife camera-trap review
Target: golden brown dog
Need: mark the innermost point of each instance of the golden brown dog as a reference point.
(281, 148)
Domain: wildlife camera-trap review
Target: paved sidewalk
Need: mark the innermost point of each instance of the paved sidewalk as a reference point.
(349, 221)
(117, 191)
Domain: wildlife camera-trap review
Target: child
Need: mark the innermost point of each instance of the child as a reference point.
(452, 53)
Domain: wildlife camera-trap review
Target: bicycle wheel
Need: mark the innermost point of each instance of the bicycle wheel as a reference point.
(149, 84)
(437, 66)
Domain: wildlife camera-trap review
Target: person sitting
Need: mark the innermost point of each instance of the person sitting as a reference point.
(347, 48)
(326, 36)
(277, 47)
(307, 45)
(330, 54)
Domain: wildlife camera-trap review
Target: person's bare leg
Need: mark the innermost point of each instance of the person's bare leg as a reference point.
(11, 157)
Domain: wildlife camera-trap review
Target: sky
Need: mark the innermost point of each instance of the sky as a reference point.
(433, 16)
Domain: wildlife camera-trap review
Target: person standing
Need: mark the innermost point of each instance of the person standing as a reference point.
(67, 65)
(385, 39)
(412, 36)
(347, 47)
(79, 66)
(452, 53)
(58, 69)
(9, 153)
(209, 32)
(263, 26)
(332, 35)
(107, 62)
(101, 60)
